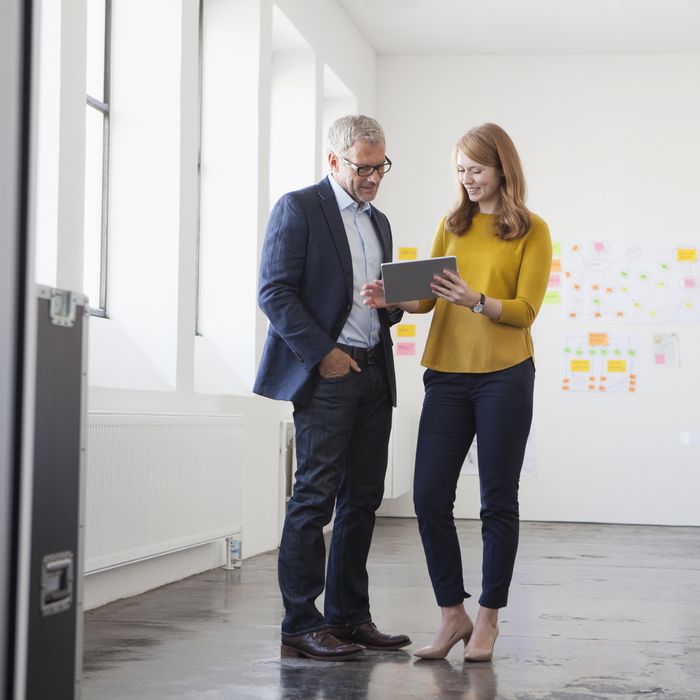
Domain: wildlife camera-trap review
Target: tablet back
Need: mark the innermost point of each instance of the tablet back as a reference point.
(410, 279)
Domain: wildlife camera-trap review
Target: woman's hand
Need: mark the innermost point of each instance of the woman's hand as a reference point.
(451, 287)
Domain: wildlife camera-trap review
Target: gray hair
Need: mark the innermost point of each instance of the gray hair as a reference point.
(353, 127)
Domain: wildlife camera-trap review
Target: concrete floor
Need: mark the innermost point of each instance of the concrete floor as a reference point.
(596, 612)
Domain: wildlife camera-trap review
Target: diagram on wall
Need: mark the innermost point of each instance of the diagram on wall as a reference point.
(628, 282)
(665, 350)
(599, 362)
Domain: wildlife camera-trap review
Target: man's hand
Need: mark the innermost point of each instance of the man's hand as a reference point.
(337, 364)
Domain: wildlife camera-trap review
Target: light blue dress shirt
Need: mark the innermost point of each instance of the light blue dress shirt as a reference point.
(362, 327)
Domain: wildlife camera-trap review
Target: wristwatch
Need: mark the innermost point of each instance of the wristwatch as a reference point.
(479, 306)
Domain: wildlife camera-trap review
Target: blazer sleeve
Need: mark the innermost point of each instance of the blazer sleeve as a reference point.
(282, 268)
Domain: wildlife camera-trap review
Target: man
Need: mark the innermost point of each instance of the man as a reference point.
(330, 355)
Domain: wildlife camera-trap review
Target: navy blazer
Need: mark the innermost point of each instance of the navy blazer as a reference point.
(306, 290)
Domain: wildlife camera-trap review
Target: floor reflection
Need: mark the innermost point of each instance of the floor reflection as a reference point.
(466, 681)
(386, 675)
(303, 679)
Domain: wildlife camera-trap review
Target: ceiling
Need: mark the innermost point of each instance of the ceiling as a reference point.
(527, 26)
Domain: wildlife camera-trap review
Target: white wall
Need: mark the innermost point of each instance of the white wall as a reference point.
(158, 368)
(610, 150)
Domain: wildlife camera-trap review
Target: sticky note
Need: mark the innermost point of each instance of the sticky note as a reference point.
(552, 297)
(581, 366)
(556, 265)
(660, 359)
(408, 253)
(690, 283)
(554, 280)
(405, 348)
(617, 365)
(598, 339)
(406, 330)
(687, 254)
(599, 247)
(556, 248)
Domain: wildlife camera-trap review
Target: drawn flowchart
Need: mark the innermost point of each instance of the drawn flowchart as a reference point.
(599, 362)
(630, 282)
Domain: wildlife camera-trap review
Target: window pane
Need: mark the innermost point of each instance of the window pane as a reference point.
(96, 48)
(94, 130)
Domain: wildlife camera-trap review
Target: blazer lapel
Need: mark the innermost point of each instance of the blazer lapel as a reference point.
(383, 235)
(329, 206)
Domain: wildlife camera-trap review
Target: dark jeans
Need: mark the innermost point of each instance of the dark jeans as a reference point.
(497, 408)
(342, 438)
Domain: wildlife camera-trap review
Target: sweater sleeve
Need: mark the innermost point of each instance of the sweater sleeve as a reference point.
(533, 278)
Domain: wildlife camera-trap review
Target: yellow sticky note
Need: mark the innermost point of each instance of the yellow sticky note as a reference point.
(617, 365)
(687, 254)
(598, 340)
(406, 330)
(408, 253)
(581, 366)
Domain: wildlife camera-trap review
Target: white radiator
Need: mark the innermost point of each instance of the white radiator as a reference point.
(159, 483)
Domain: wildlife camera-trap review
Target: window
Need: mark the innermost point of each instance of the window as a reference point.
(97, 154)
(197, 329)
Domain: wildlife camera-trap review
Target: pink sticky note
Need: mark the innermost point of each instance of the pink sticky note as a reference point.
(660, 358)
(405, 348)
(599, 247)
(690, 283)
(555, 281)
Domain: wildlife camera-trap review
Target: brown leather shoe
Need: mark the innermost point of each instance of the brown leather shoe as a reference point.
(369, 636)
(319, 645)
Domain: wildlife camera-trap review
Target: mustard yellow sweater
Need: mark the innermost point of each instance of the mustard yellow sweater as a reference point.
(515, 272)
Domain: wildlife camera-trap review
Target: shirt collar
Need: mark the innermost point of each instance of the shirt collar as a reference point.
(345, 201)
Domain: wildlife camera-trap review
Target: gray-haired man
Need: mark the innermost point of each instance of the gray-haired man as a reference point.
(330, 355)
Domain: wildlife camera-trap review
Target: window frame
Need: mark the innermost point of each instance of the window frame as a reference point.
(197, 271)
(103, 107)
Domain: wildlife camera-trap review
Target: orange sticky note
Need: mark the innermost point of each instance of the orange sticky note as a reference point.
(556, 265)
(598, 340)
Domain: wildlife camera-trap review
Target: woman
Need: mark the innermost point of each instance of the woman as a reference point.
(479, 379)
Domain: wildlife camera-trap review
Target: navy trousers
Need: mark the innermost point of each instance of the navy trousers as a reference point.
(342, 438)
(497, 408)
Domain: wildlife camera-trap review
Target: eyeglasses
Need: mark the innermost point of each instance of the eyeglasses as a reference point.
(367, 170)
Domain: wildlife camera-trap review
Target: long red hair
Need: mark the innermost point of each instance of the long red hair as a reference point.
(489, 144)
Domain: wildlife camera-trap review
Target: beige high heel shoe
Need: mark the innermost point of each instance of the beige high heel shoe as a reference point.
(482, 654)
(440, 652)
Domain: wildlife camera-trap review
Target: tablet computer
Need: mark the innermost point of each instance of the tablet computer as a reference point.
(410, 279)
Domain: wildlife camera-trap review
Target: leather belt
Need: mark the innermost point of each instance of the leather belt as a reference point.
(370, 356)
